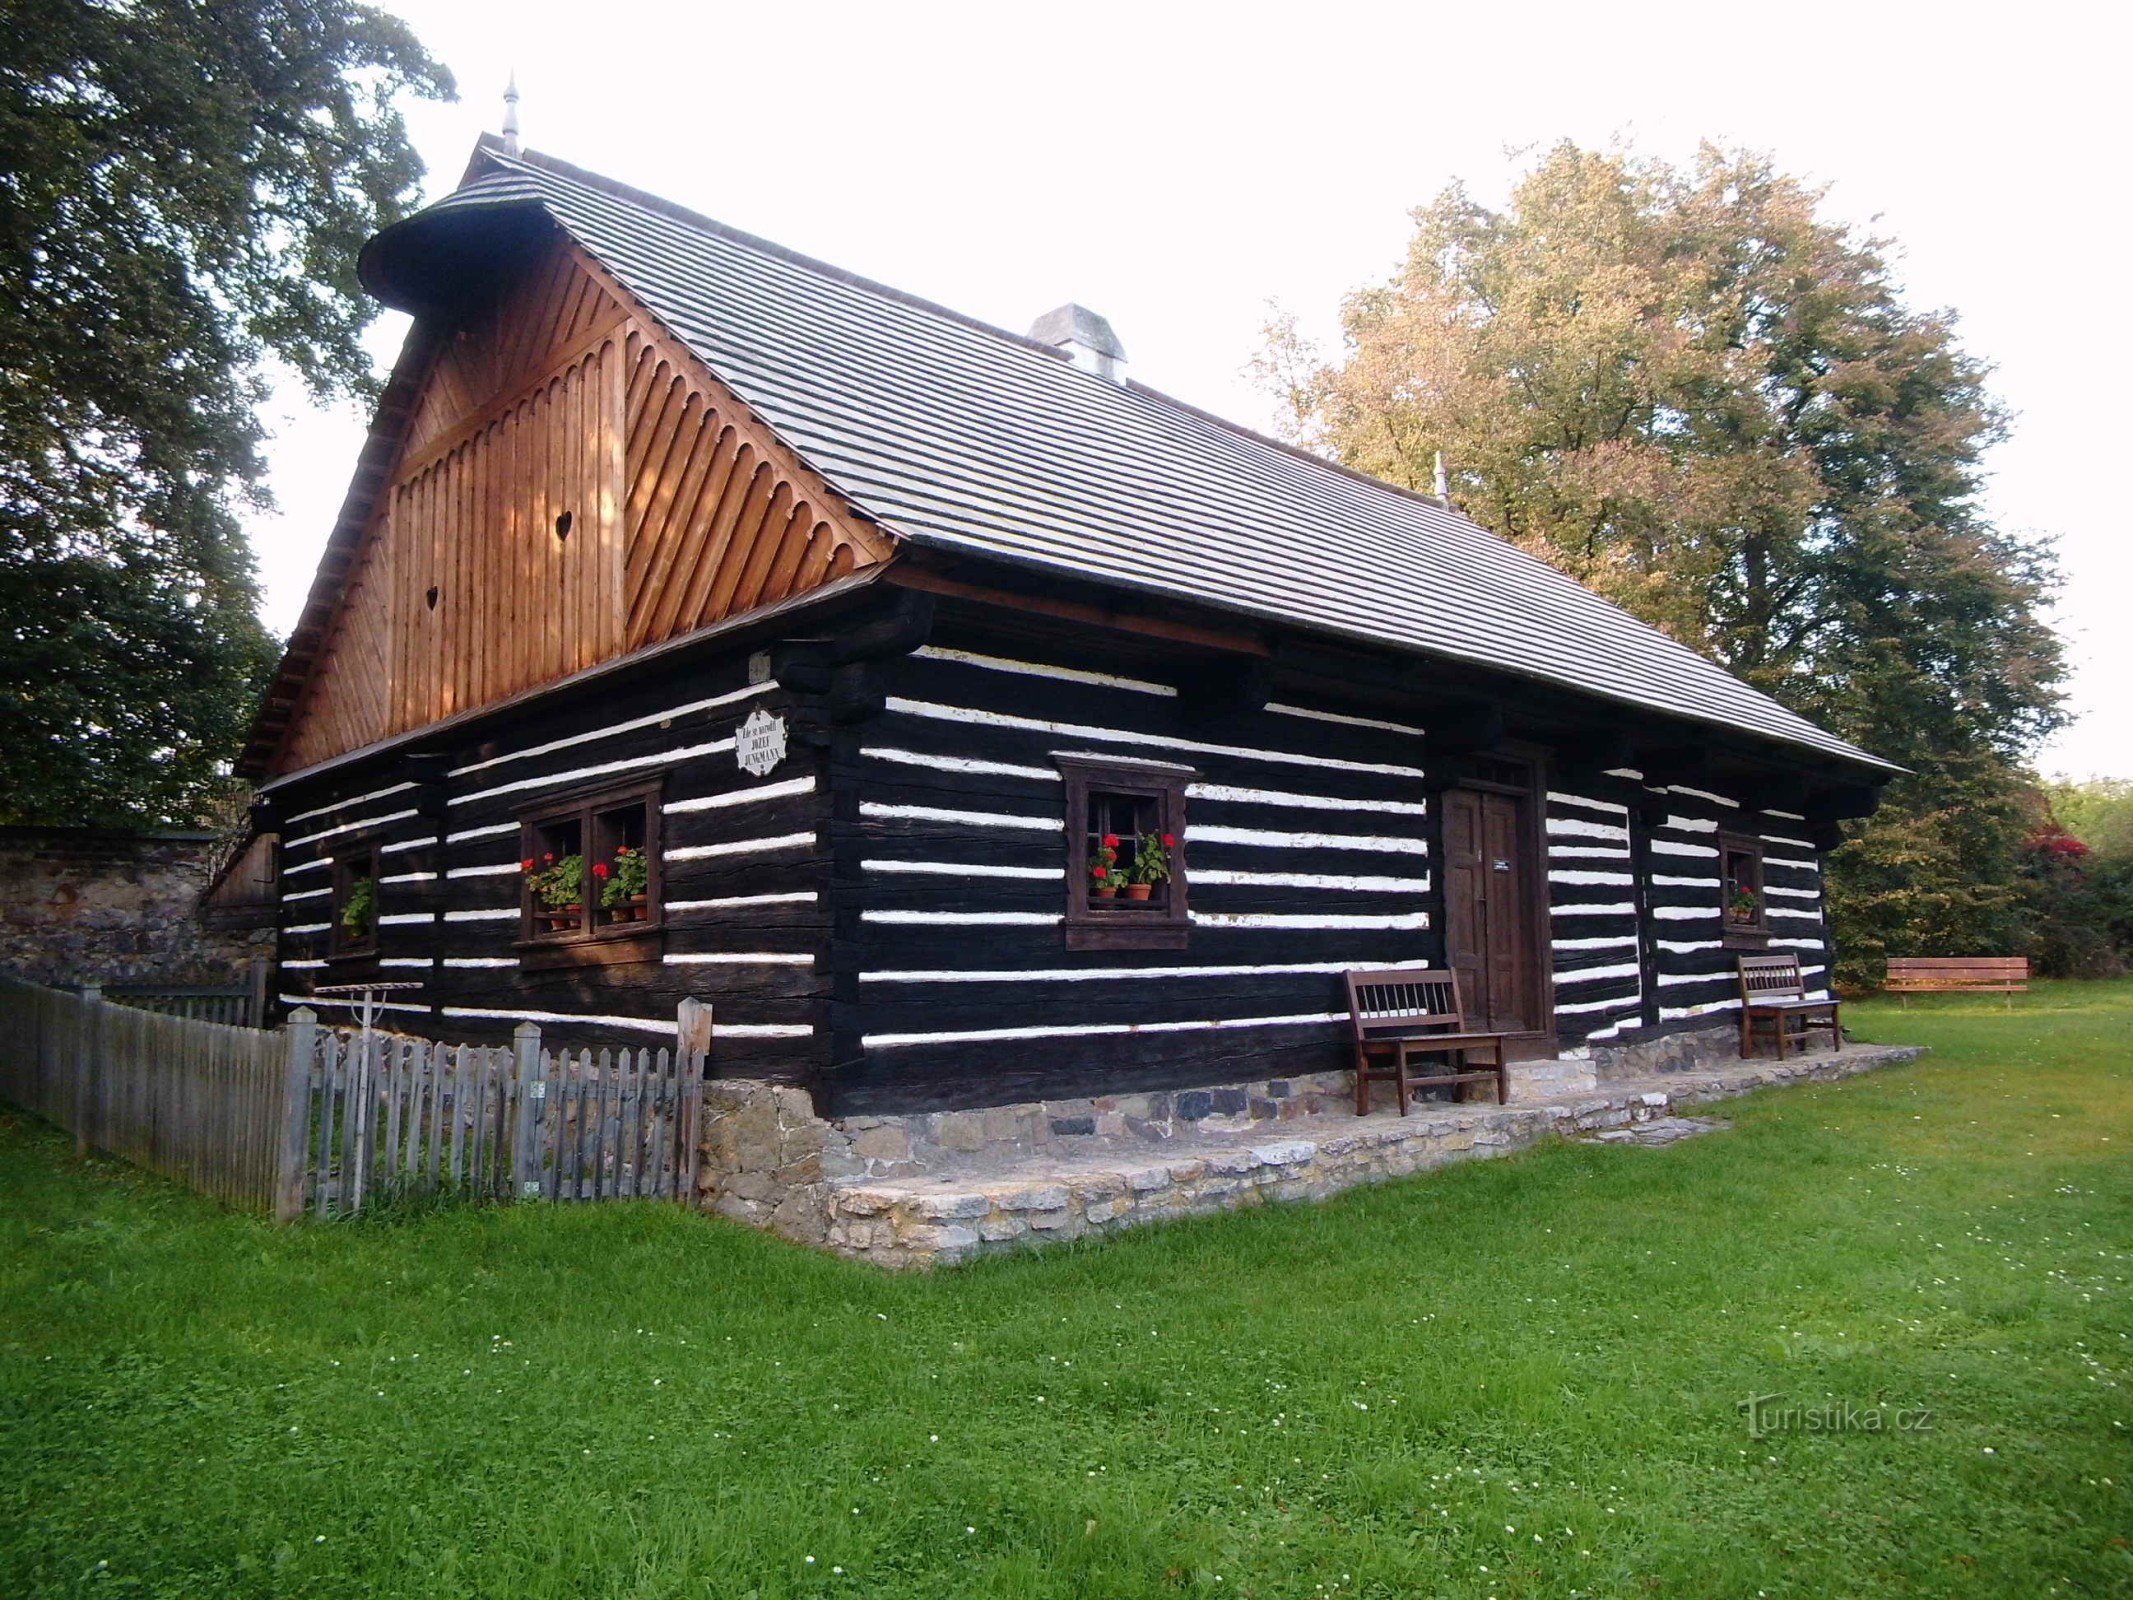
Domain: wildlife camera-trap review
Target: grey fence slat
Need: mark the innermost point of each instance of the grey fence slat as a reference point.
(630, 1182)
(551, 1124)
(301, 1048)
(410, 1141)
(329, 1049)
(660, 1129)
(439, 1057)
(525, 1127)
(395, 1086)
(459, 1114)
(588, 1111)
(603, 1101)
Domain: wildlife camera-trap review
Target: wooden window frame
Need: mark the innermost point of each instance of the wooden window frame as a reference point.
(592, 943)
(351, 865)
(1124, 926)
(1743, 935)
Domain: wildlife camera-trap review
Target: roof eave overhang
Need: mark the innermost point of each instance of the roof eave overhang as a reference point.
(1858, 767)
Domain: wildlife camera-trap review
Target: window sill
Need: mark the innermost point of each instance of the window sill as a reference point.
(1746, 938)
(606, 947)
(1126, 930)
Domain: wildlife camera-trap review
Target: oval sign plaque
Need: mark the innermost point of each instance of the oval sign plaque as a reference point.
(760, 742)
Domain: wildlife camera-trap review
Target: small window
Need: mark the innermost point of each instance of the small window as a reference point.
(1744, 907)
(354, 930)
(1125, 831)
(589, 867)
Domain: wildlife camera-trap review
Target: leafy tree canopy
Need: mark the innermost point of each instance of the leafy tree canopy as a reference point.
(183, 191)
(1690, 390)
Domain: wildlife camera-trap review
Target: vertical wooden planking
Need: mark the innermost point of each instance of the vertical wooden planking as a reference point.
(88, 1067)
(632, 1142)
(361, 1116)
(418, 1061)
(603, 1127)
(581, 1140)
(460, 1077)
(659, 1127)
(440, 1064)
(532, 1091)
(395, 1081)
(693, 1034)
(329, 1110)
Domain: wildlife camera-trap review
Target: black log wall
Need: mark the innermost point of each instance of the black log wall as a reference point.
(1634, 898)
(881, 916)
(745, 868)
(1306, 846)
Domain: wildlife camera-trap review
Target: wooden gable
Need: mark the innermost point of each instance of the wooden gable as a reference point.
(570, 485)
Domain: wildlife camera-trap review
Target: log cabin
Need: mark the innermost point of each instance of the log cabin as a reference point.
(705, 620)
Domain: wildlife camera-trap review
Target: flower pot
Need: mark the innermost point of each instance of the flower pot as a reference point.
(555, 918)
(630, 910)
(1139, 891)
(1103, 894)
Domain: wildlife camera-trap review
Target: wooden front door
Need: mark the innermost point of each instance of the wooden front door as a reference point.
(1490, 885)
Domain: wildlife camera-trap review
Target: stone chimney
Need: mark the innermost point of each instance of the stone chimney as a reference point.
(1086, 338)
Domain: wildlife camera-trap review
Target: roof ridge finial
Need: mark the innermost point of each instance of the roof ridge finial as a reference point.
(1441, 485)
(511, 142)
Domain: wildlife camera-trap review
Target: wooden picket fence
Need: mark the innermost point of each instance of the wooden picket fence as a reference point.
(197, 1101)
(389, 1115)
(241, 1005)
(324, 1121)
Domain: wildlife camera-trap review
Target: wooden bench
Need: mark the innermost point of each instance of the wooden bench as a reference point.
(1773, 998)
(1409, 1012)
(1909, 975)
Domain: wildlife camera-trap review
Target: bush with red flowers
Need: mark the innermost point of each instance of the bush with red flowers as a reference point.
(1151, 863)
(1104, 877)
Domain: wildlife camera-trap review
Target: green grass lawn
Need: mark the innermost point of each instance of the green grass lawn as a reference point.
(1514, 1378)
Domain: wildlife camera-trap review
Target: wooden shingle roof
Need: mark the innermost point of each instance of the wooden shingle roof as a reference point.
(953, 434)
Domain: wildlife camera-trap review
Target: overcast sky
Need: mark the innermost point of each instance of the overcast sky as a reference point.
(1176, 168)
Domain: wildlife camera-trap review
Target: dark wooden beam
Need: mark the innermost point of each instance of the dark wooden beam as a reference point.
(1456, 728)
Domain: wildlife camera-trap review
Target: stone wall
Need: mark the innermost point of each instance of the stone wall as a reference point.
(80, 905)
(1676, 1050)
(922, 1191)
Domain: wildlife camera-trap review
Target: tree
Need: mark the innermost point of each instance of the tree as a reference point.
(185, 189)
(1692, 392)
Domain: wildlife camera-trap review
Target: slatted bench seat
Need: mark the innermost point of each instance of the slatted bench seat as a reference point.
(1773, 999)
(1909, 975)
(1411, 1012)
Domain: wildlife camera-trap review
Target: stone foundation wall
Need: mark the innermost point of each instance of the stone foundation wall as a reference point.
(771, 1163)
(1684, 1050)
(947, 1220)
(891, 1145)
(80, 905)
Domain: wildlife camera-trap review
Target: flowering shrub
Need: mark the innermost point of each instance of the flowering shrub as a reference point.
(556, 885)
(1104, 875)
(1151, 863)
(626, 881)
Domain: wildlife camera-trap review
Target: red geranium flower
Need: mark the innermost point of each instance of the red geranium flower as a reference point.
(548, 858)
(526, 865)
(1110, 841)
(1098, 872)
(1170, 841)
(599, 869)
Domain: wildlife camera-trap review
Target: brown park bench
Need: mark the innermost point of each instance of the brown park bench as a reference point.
(1909, 975)
(1773, 999)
